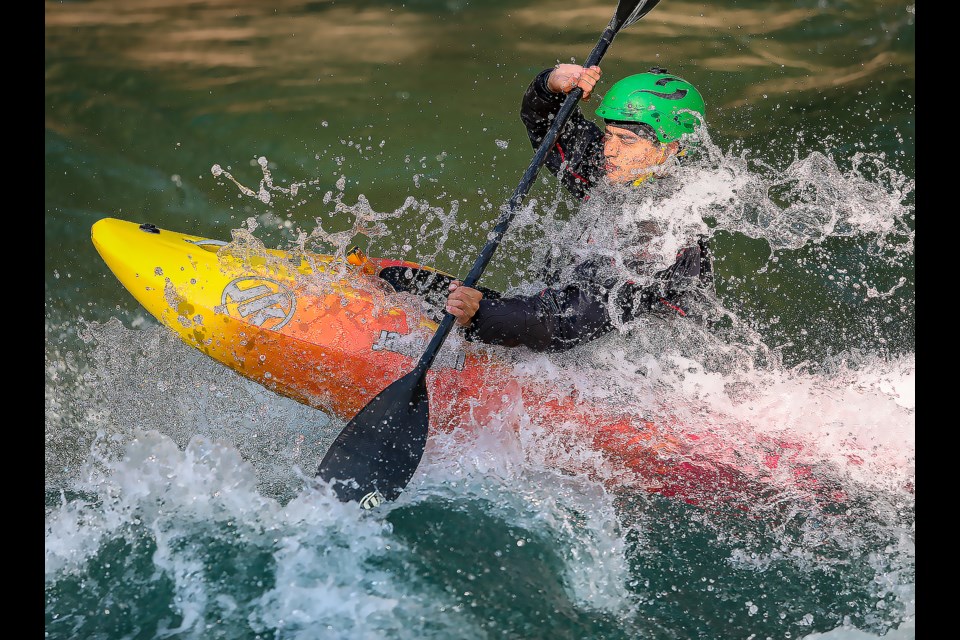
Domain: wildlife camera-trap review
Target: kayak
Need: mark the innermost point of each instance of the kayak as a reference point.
(331, 331)
(327, 332)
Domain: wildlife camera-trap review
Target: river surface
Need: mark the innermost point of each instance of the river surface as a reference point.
(179, 500)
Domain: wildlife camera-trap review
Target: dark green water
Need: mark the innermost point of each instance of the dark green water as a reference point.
(809, 184)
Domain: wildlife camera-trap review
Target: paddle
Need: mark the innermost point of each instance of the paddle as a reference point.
(379, 450)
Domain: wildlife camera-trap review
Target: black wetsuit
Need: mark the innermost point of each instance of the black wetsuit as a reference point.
(563, 316)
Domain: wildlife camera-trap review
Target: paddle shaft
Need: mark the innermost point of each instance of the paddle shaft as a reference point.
(508, 213)
(380, 448)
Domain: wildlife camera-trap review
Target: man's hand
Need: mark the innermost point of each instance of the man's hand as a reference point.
(565, 77)
(463, 302)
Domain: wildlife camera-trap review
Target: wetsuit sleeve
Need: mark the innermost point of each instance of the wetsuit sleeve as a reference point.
(557, 319)
(677, 289)
(577, 155)
(552, 320)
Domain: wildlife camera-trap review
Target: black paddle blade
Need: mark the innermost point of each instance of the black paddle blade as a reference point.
(629, 11)
(377, 453)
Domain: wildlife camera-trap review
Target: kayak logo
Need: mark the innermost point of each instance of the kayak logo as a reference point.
(412, 346)
(260, 301)
(372, 500)
(397, 343)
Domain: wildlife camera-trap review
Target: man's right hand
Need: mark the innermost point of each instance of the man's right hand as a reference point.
(565, 77)
(463, 302)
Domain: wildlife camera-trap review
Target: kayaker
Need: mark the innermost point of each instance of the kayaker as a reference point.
(649, 120)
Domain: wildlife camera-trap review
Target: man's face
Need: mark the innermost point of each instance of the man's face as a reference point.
(629, 156)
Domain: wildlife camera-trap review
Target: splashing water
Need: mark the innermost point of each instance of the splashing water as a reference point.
(196, 492)
(266, 184)
(732, 373)
(808, 202)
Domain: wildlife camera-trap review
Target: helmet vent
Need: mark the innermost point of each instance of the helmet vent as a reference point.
(676, 95)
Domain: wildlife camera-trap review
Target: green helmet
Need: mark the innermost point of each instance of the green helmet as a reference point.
(666, 102)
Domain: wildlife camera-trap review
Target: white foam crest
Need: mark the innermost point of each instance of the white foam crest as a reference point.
(207, 481)
(324, 581)
(73, 532)
(861, 420)
(512, 464)
(859, 417)
(321, 547)
(851, 422)
(905, 631)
